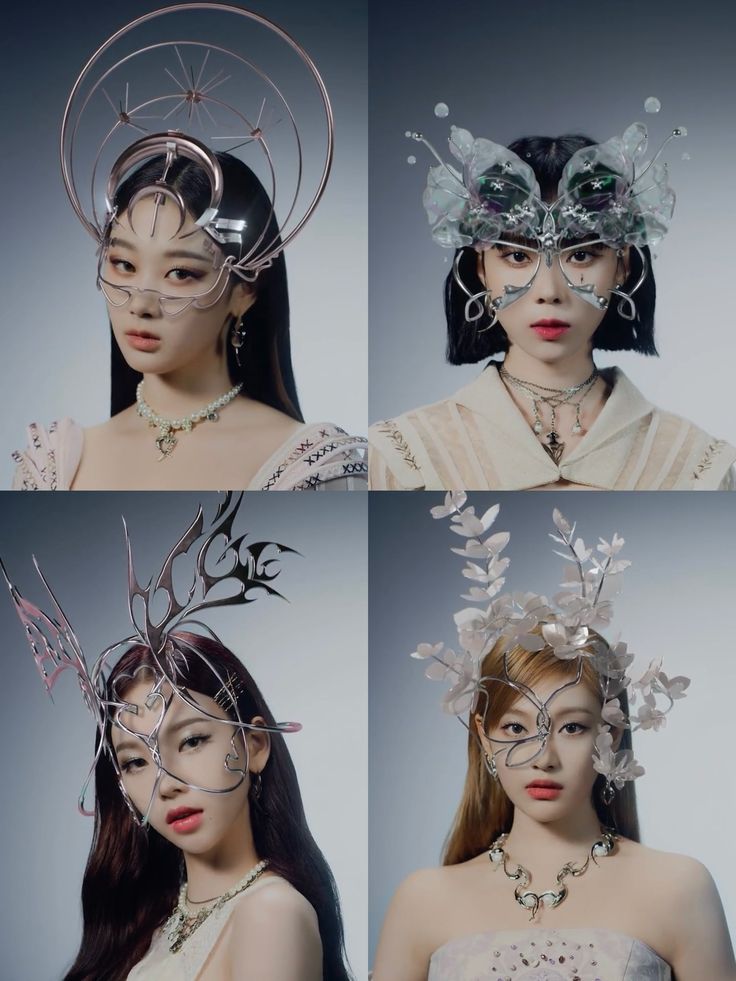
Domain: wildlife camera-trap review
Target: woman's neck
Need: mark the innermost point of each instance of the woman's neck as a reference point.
(555, 374)
(213, 873)
(178, 393)
(550, 844)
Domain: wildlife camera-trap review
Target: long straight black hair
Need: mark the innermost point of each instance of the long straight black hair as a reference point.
(468, 343)
(266, 373)
(132, 880)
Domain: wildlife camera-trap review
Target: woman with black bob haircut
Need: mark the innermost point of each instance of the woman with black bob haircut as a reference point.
(552, 261)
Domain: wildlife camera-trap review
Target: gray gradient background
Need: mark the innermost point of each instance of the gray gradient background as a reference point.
(55, 334)
(677, 602)
(505, 71)
(308, 656)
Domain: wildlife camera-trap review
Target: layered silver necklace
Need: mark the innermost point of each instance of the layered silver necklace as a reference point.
(550, 898)
(553, 398)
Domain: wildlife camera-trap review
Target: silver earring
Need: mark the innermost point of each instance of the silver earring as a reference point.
(608, 792)
(490, 765)
(237, 338)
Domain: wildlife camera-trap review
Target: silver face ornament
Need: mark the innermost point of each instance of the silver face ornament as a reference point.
(225, 572)
(608, 199)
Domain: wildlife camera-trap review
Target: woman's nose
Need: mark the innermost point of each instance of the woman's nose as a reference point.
(145, 303)
(549, 283)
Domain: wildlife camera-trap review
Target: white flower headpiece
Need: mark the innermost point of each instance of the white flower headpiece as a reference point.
(566, 627)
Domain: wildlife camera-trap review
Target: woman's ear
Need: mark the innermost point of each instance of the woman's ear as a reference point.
(242, 299)
(259, 745)
(480, 732)
(623, 267)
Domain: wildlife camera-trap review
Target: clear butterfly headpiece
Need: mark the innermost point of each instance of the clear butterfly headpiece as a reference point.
(609, 196)
(183, 82)
(225, 572)
(566, 627)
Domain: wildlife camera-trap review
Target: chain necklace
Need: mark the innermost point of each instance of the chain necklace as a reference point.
(553, 398)
(166, 440)
(550, 898)
(182, 924)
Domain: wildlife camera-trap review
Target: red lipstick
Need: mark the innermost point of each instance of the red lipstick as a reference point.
(544, 789)
(184, 819)
(550, 329)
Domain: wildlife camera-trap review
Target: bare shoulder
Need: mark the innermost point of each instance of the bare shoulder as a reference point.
(274, 930)
(276, 898)
(267, 417)
(678, 881)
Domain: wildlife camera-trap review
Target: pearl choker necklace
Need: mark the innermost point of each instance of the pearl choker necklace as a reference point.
(166, 440)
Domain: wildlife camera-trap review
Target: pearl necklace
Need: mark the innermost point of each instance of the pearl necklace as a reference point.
(166, 440)
(182, 924)
(523, 877)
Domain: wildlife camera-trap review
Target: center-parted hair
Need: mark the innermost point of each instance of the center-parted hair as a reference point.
(468, 343)
(266, 372)
(485, 811)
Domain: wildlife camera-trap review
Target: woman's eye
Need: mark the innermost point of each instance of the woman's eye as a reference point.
(184, 275)
(122, 265)
(573, 728)
(131, 765)
(514, 728)
(192, 742)
(517, 258)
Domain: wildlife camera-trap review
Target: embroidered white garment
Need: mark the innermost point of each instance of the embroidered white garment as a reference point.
(318, 456)
(548, 955)
(160, 964)
(479, 440)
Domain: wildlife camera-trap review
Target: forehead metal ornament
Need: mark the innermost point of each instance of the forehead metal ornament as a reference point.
(183, 82)
(226, 572)
(566, 627)
(609, 197)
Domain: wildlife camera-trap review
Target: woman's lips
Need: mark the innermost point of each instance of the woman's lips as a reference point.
(544, 790)
(184, 820)
(550, 330)
(142, 340)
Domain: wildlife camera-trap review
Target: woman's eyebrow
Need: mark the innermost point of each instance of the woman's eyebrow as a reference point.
(173, 254)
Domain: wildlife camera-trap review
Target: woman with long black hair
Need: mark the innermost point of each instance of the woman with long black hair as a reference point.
(191, 266)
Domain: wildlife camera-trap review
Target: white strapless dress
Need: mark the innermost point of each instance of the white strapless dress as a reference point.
(547, 955)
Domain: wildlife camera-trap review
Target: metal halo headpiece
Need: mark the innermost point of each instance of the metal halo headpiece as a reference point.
(55, 646)
(564, 627)
(237, 114)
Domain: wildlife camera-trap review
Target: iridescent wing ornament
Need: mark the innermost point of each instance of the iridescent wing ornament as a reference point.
(225, 571)
(187, 81)
(567, 627)
(609, 197)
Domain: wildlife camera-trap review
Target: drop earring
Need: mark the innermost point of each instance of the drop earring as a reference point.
(490, 766)
(237, 338)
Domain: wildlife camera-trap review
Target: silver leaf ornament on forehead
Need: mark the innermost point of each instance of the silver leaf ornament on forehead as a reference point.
(566, 627)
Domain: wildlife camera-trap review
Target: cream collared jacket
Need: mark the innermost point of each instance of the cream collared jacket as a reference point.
(478, 440)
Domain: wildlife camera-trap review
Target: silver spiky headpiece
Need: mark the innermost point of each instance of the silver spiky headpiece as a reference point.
(226, 574)
(565, 627)
(204, 90)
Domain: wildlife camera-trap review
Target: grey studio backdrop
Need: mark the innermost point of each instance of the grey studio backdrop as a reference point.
(308, 656)
(55, 329)
(677, 602)
(507, 71)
